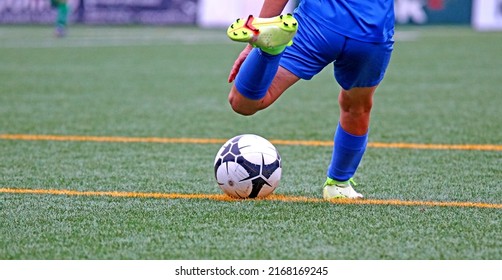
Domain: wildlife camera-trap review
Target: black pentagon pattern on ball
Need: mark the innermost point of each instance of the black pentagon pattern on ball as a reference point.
(255, 170)
(229, 153)
(252, 169)
(258, 184)
(269, 169)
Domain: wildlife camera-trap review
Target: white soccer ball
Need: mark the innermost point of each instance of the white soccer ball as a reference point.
(247, 166)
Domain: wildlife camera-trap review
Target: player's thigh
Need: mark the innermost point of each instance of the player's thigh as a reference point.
(282, 81)
(314, 47)
(362, 64)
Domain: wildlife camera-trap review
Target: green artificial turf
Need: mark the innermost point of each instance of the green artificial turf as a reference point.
(442, 87)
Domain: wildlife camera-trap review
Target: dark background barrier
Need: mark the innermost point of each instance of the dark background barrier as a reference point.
(433, 11)
(102, 11)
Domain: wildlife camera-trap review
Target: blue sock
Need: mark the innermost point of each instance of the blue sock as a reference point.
(347, 154)
(256, 74)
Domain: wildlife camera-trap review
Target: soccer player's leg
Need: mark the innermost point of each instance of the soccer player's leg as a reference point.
(351, 138)
(359, 74)
(260, 81)
(62, 17)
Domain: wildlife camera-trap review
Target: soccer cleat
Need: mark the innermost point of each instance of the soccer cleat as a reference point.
(335, 189)
(264, 33)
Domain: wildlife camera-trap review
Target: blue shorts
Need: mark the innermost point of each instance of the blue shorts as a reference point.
(356, 63)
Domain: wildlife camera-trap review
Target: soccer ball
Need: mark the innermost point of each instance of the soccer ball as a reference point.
(247, 166)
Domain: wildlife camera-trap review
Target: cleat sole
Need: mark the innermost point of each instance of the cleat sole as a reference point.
(264, 32)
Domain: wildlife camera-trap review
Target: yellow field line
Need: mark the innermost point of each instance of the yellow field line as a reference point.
(30, 137)
(273, 197)
(34, 137)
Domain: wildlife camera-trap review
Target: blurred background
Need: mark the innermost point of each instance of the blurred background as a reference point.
(481, 14)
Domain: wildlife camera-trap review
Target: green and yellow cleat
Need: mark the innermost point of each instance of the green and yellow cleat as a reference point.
(334, 189)
(264, 33)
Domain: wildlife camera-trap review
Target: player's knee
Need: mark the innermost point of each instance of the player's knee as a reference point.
(356, 102)
(239, 108)
(243, 111)
(358, 109)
